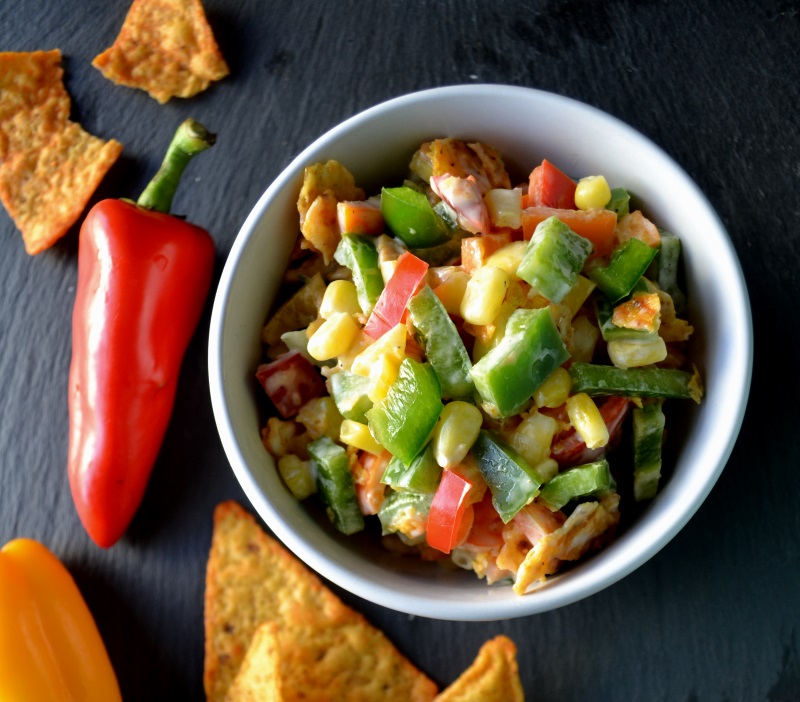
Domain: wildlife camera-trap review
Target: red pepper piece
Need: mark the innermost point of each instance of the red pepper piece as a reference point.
(549, 186)
(570, 450)
(143, 278)
(290, 381)
(408, 277)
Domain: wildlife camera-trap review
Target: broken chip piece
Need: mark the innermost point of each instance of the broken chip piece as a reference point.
(49, 166)
(327, 650)
(166, 48)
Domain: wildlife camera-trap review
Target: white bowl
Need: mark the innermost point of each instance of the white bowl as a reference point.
(525, 125)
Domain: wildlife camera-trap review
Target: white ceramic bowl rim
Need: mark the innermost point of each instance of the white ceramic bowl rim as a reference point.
(663, 519)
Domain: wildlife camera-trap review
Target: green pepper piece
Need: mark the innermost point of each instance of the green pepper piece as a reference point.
(443, 253)
(403, 421)
(410, 217)
(404, 512)
(335, 485)
(531, 349)
(422, 476)
(620, 202)
(553, 259)
(351, 395)
(628, 263)
(444, 348)
(580, 481)
(610, 331)
(510, 478)
(648, 437)
(596, 380)
(358, 253)
(664, 269)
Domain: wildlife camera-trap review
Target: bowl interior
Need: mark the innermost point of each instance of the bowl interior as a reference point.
(525, 125)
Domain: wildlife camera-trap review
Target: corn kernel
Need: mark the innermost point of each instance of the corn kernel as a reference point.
(382, 374)
(320, 417)
(578, 295)
(387, 270)
(484, 295)
(391, 344)
(509, 257)
(591, 192)
(357, 435)
(505, 207)
(451, 291)
(455, 432)
(632, 354)
(587, 420)
(340, 296)
(298, 475)
(554, 391)
(333, 337)
(547, 469)
(533, 436)
(585, 335)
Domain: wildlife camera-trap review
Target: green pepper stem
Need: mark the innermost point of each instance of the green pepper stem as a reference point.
(191, 138)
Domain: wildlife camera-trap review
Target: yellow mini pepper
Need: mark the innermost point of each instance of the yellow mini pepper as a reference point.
(50, 648)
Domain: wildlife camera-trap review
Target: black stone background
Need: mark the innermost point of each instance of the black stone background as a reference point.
(715, 615)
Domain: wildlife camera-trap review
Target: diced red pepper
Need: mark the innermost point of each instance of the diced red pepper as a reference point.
(570, 450)
(476, 249)
(407, 279)
(290, 381)
(597, 225)
(451, 515)
(487, 527)
(550, 187)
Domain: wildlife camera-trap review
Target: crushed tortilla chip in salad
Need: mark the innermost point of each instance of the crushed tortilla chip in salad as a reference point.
(460, 359)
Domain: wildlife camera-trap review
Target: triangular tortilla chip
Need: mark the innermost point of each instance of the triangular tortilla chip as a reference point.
(166, 48)
(258, 679)
(492, 677)
(328, 651)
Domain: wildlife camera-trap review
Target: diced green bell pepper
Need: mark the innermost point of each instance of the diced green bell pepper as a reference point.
(531, 349)
(443, 253)
(335, 485)
(422, 476)
(597, 380)
(351, 395)
(648, 437)
(620, 202)
(513, 482)
(664, 268)
(403, 421)
(610, 331)
(444, 348)
(411, 218)
(358, 253)
(628, 263)
(403, 512)
(553, 259)
(580, 481)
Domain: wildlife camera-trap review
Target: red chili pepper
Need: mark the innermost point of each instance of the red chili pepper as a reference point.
(143, 278)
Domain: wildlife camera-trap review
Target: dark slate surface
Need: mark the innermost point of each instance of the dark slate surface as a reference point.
(716, 614)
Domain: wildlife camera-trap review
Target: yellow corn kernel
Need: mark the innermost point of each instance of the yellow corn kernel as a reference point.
(312, 328)
(340, 296)
(391, 344)
(578, 295)
(554, 391)
(387, 269)
(585, 335)
(382, 374)
(505, 207)
(333, 337)
(455, 432)
(533, 436)
(298, 475)
(591, 192)
(509, 257)
(484, 295)
(357, 435)
(587, 420)
(451, 291)
(547, 469)
(632, 354)
(320, 417)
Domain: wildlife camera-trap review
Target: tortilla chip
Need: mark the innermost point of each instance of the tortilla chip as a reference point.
(492, 677)
(49, 166)
(328, 651)
(258, 679)
(166, 48)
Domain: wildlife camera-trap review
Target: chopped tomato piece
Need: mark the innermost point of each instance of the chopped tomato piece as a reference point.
(570, 449)
(360, 217)
(451, 515)
(550, 187)
(407, 279)
(476, 249)
(487, 527)
(596, 225)
(290, 381)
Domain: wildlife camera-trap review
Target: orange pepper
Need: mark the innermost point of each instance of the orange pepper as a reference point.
(50, 648)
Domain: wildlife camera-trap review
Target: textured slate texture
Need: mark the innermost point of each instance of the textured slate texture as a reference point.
(714, 616)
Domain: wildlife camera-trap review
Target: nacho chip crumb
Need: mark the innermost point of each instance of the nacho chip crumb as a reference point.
(49, 166)
(166, 48)
(492, 677)
(327, 650)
